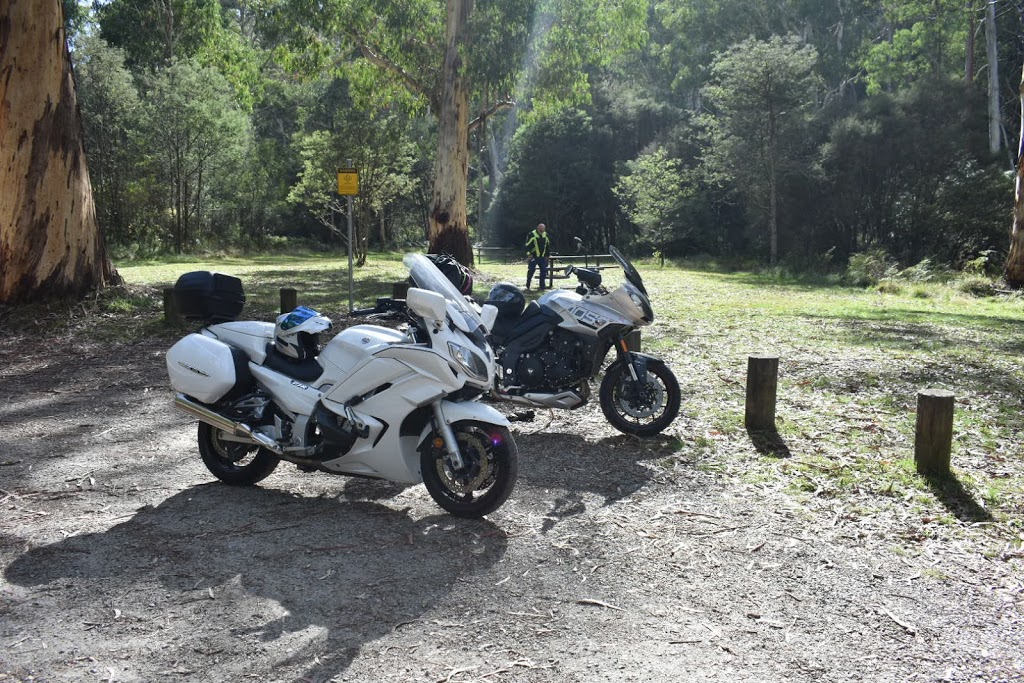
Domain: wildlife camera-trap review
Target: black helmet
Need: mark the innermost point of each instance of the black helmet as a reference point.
(507, 298)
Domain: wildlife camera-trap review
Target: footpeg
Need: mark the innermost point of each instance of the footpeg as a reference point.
(354, 425)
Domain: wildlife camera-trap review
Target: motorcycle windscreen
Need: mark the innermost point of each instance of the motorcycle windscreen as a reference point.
(631, 272)
(427, 276)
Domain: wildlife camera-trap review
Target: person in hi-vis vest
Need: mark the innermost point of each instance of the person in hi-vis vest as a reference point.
(538, 246)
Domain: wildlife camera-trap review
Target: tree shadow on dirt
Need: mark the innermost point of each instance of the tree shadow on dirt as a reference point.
(612, 468)
(769, 442)
(899, 328)
(957, 499)
(904, 379)
(258, 570)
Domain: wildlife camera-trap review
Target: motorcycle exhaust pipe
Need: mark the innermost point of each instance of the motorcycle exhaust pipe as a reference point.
(565, 401)
(222, 423)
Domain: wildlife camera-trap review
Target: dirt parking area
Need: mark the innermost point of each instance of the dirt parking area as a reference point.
(616, 559)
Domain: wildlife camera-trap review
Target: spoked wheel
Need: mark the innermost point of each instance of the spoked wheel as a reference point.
(640, 408)
(490, 468)
(240, 464)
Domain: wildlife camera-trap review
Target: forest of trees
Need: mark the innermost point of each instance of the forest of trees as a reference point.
(796, 132)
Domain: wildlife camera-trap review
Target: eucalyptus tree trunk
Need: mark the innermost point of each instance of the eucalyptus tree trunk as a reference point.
(449, 230)
(773, 189)
(1015, 259)
(50, 244)
(991, 50)
(972, 27)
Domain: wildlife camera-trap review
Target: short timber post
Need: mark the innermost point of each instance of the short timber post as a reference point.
(399, 290)
(289, 299)
(933, 440)
(762, 385)
(171, 314)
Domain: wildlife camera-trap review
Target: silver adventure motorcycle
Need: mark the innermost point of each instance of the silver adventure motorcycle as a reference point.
(549, 350)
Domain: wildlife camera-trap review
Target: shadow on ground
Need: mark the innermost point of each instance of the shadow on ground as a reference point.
(264, 574)
(957, 499)
(769, 442)
(574, 468)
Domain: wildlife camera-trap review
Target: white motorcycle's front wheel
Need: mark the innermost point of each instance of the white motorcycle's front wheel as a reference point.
(240, 464)
(488, 475)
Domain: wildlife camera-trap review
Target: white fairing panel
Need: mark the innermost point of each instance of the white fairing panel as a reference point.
(586, 315)
(354, 345)
(201, 367)
(251, 337)
(290, 394)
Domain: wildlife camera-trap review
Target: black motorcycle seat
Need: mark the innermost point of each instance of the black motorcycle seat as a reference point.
(532, 309)
(533, 319)
(308, 370)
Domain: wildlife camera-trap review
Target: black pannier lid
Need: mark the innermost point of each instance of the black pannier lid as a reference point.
(210, 297)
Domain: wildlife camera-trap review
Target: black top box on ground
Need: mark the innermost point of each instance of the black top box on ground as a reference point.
(209, 297)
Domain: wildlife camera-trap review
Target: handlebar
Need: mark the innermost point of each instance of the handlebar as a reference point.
(384, 307)
(586, 276)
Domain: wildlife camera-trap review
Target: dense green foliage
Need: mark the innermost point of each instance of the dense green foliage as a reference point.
(792, 131)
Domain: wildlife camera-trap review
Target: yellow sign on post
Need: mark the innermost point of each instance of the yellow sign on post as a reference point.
(348, 182)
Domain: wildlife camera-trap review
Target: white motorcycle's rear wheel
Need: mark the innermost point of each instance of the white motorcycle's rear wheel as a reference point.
(239, 464)
(640, 409)
(491, 466)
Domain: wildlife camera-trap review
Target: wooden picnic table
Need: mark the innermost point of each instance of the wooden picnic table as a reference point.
(591, 261)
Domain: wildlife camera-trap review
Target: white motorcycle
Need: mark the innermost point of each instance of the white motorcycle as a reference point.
(374, 402)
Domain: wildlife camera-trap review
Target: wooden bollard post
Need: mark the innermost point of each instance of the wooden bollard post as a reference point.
(289, 299)
(399, 289)
(633, 341)
(762, 385)
(171, 314)
(933, 439)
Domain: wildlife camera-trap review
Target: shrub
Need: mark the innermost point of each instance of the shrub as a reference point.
(975, 285)
(870, 267)
(980, 264)
(890, 287)
(924, 271)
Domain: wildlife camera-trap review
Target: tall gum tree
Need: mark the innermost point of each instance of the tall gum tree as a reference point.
(50, 244)
(1015, 259)
(467, 60)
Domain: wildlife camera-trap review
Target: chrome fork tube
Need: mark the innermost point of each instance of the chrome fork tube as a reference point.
(450, 443)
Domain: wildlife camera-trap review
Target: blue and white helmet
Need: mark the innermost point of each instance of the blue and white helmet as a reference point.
(297, 333)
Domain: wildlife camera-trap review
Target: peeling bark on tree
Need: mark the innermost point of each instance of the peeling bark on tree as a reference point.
(50, 244)
(1015, 259)
(449, 229)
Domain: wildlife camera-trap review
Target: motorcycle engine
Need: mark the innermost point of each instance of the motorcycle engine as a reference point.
(554, 365)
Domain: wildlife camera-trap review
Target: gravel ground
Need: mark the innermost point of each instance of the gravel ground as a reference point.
(616, 559)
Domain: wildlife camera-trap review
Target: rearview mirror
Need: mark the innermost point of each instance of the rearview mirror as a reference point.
(488, 314)
(427, 304)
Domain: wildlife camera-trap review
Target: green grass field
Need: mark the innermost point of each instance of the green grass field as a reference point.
(851, 364)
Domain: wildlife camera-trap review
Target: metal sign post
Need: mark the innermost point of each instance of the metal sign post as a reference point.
(348, 186)
(350, 307)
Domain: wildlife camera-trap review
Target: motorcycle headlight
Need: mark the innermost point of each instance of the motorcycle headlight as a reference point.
(642, 303)
(470, 362)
